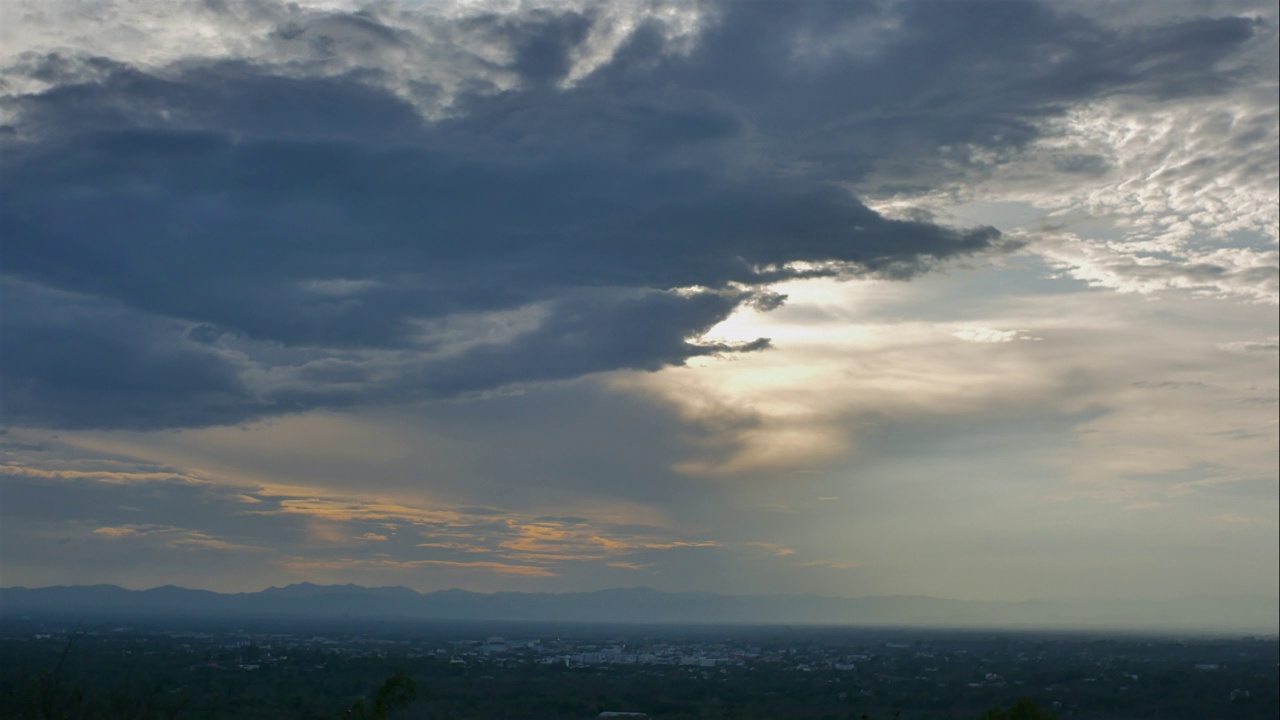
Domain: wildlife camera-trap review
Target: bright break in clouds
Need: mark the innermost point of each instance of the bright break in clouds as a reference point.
(953, 298)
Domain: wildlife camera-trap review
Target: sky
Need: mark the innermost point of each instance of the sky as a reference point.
(975, 300)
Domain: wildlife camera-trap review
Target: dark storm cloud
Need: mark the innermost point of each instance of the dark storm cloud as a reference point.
(251, 215)
(542, 42)
(236, 97)
(595, 332)
(203, 226)
(72, 360)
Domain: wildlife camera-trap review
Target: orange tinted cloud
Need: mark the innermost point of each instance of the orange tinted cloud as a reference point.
(105, 476)
(347, 563)
(175, 537)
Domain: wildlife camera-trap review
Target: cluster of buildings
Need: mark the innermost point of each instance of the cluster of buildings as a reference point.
(584, 653)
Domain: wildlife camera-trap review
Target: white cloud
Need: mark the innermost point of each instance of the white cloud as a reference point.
(1141, 195)
(436, 54)
(1268, 345)
(979, 334)
(1243, 273)
(1149, 382)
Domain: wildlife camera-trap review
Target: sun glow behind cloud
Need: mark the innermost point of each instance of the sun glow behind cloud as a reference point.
(473, 294)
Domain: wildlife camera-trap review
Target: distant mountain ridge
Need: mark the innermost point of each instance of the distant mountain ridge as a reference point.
(643, 605)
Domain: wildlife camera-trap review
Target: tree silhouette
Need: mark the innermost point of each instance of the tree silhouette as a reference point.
(1024, 709)
(395, 694)
(52, 695)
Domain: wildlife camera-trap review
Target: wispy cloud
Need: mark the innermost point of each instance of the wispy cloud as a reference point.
(833, 564)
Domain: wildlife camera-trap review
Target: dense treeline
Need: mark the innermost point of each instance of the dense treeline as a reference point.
(151, 687)
(137, 677)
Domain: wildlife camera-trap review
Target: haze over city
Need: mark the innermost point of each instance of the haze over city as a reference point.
(970, 300)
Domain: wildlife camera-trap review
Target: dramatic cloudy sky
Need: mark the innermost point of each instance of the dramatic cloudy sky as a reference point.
(967, 299)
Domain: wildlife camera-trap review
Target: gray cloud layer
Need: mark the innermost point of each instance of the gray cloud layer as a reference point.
(221, 238)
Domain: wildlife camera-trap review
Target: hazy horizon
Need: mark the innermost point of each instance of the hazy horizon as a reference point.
(965, 300)
(140, 588)
(341, 603)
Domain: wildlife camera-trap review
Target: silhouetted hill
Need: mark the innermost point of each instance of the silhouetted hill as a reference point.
(643, 605)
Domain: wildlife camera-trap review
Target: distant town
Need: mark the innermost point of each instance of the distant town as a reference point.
(553, 671)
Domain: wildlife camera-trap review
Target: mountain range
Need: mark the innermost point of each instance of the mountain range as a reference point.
(644, 605)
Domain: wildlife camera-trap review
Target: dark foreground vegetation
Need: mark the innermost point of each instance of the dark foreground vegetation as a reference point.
(82, 669)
